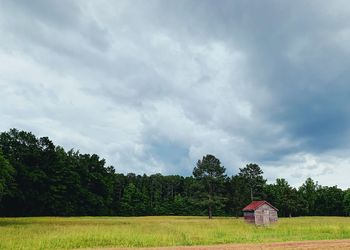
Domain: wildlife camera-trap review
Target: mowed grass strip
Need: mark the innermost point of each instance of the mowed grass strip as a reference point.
(89, 232)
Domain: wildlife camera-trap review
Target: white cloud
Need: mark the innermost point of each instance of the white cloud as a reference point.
(328, 169)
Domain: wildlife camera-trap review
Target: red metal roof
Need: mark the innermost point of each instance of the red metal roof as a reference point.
(256, 204)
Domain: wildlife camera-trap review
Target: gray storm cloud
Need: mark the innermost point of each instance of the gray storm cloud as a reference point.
(153, 85)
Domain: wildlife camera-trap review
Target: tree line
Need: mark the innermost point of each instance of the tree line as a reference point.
(38, 178)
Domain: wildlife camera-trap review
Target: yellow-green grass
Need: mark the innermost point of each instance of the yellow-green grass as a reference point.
(89, 232)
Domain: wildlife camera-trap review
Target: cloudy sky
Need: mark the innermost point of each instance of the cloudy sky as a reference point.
(152, 86)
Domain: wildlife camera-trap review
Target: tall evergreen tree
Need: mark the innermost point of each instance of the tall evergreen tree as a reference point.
(308, 192)
(252, 174)
(212, 176)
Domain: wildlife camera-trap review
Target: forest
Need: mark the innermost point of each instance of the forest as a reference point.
(38, 178)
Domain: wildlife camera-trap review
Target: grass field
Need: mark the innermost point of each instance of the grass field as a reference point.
(89, 232)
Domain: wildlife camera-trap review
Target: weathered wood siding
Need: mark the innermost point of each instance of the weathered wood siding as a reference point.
(265, 215)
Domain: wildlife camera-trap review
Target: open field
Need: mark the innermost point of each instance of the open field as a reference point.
(99, 232)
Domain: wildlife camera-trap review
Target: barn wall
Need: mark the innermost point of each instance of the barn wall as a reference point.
(259, 215)
(273, 216)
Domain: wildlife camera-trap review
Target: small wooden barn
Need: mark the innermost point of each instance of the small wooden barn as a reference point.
(260, 213)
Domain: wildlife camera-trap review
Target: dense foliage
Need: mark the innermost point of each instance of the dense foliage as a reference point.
(39, 178)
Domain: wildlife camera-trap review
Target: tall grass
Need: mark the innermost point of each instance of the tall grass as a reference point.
(88, 232)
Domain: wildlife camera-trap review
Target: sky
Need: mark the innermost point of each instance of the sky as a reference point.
(152, 86)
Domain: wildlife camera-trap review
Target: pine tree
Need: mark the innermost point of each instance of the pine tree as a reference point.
(211, 175)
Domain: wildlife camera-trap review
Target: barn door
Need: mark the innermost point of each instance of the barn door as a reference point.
(266, 217)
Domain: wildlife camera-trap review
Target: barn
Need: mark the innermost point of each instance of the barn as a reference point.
(260, 213)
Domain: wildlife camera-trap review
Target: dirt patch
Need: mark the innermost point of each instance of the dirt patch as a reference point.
(300, 245)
